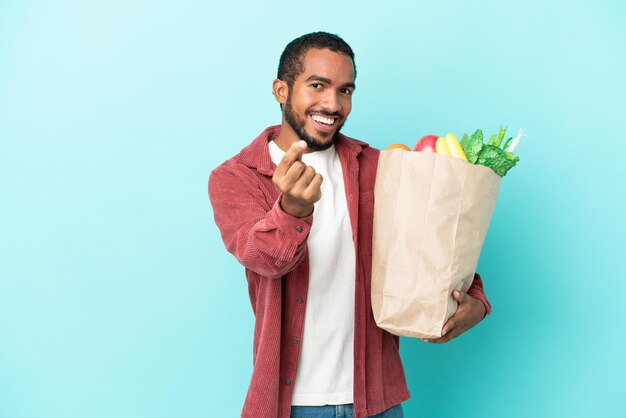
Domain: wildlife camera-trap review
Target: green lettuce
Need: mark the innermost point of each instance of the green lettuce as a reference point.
(473, 146)
(496, 159)
(499, 159)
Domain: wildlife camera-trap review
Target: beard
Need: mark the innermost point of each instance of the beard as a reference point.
(297, 124)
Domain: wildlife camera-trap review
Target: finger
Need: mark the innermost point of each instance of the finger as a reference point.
(293, 154)
(448, 328)
(450, 335)
(293, 174)
(439, 340)
(432, 340)
(303, 182)
(307, 176)
(446, 336)
(450, 323)
(459, 296)
(453, 326)
(314, 189)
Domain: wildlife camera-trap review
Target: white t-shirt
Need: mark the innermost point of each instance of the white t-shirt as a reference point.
(326, 365)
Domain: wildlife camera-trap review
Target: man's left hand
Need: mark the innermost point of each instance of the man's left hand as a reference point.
(469, 313)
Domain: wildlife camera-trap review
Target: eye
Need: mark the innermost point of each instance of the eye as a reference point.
(316, 85)
(346, 91)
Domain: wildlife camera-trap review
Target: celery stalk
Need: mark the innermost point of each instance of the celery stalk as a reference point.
(500, 136)
(519, 135)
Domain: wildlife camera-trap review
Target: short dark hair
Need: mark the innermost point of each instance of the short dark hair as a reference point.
(291, 64)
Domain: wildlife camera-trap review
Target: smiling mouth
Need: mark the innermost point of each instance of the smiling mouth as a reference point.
(323, 120)
(324, 124)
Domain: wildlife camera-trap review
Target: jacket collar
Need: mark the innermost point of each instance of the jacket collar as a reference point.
(257, 155)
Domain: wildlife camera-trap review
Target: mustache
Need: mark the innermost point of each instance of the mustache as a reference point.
(324, 113)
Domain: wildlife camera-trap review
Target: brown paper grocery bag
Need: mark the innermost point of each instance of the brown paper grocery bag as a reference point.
(431, 215)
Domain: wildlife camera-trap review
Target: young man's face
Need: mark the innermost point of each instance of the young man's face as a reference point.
(320, 100)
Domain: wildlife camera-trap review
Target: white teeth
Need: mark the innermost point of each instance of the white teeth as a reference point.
(321, 119)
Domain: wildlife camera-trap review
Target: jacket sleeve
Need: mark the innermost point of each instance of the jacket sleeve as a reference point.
(261, 236)
(476, 290)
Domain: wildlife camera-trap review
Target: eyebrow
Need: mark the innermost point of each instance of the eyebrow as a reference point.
(328, 81)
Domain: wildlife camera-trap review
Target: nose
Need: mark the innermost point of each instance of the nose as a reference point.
(332, 102)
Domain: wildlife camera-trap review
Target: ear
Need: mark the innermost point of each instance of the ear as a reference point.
(281, 91)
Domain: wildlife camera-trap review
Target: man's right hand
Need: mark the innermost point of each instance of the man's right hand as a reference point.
(299, 183)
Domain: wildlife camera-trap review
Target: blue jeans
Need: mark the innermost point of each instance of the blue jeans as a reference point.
(340, 411)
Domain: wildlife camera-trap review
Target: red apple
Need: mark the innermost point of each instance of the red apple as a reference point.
(426, 143)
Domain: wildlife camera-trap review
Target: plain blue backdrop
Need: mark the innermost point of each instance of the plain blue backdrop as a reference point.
(117, 297)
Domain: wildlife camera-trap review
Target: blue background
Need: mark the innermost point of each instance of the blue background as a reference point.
(117, 298)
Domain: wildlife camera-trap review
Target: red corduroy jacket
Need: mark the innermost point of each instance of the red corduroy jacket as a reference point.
(272, 246)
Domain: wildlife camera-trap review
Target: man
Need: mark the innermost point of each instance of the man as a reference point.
(295, 208)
